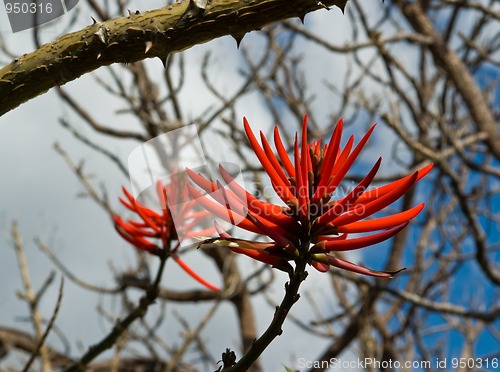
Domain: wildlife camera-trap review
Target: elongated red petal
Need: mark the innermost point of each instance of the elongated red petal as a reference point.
(209, 231)
(218, 210)
(382, 222)
(320, 266)
(162, 195)
(234, 209)
(353, 196)
(201, 181)
(285, 160)
(137, 241)
(356, 243)
(329, 160)
(345, 204)
(129, 196)
(224, 197)
(300, 188)
(228, 200)
(194, 226)
(305, 160)
(134, 230)
(222, 233)
(316, 145)
(329, 238)
(198, 214)
(256, 255)
(343, 155)
(271, 212)
(279, 186)
(349, 266)
(325, 191)
(137, 224)
(127, 204)
(143, 212)
(193, 274)
(274, 161)
(344, 167)
(133, 205)
(271, 232)
(271, 229)
(363, 210)
(380, 191)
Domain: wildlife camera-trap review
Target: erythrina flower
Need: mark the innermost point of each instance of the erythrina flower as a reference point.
(310, 224)
(156, 233)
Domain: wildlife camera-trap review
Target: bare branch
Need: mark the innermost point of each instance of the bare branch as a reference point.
(170, 29)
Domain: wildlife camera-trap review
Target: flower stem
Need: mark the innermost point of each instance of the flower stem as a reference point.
(274, 329)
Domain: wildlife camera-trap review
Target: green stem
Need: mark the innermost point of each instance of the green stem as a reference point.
(120, 327)
(274, 329)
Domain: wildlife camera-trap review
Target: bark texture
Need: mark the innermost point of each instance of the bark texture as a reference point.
(155, 33)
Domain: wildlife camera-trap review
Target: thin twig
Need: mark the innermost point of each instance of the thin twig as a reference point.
(121, 326)
(49, 327)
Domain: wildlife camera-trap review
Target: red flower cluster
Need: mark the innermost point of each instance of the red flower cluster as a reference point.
(309, 223)
(156, 233)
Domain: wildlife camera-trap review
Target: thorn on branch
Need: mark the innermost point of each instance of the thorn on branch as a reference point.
(195, 9)
(164, 61)
(342, 5)
(319, 3)
(130, 13)
(149, 45)
(102, 35)
(238, 38)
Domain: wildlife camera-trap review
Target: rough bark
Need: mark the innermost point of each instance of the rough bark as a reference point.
(155, 33)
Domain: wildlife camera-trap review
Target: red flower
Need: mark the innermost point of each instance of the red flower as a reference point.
(156, 233)
(309, 223)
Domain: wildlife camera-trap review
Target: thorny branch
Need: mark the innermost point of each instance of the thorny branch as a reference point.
(155, 33)
(435, 108)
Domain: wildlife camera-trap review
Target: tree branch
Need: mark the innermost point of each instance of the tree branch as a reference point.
(11, 338)
(155, 33)
(458, 74)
